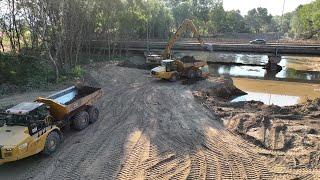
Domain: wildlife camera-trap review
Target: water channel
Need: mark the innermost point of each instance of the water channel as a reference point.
(298, 81)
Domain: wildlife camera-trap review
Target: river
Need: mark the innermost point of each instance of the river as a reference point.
(298, 81)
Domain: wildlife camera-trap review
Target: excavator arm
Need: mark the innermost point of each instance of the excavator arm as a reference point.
(187, 24)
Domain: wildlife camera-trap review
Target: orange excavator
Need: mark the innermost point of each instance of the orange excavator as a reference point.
(186, 25)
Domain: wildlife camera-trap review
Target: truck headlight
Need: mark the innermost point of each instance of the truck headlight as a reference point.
(23, 146)
(9, 149)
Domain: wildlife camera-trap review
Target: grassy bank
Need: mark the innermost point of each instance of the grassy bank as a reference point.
(21, 73)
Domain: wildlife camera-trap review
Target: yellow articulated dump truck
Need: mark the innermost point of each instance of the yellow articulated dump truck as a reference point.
(172, 70)
(33, 127)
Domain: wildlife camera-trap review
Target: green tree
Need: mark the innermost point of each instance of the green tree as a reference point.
(217, 20)
(182, 11)
(235, 21)
(306, 21)
(258, 20)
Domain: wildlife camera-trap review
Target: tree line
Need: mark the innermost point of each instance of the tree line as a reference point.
(58, 31)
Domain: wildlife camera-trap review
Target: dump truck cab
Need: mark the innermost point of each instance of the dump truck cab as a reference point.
(154, 59)
(24, 131)
(168, 70)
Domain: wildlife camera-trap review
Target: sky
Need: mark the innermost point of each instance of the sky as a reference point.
(274, 6)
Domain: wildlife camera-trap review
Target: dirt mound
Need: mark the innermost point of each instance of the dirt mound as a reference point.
(222, 87)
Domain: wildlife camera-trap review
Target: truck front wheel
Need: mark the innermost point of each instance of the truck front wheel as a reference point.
(93, 114)
(80, 121)
(52, 143)
(174, 77)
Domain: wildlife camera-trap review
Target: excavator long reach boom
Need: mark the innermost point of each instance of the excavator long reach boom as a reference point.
(187, 24)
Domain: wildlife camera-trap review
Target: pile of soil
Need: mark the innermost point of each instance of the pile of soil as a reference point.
(221, 88)
(288, 137)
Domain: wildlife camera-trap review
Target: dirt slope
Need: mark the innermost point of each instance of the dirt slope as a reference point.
(148, 129)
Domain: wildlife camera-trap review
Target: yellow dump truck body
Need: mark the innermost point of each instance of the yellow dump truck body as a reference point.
(83, 96)
(180, 69)
(24, 138)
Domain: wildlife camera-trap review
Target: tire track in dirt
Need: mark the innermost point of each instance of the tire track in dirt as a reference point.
(150, 129)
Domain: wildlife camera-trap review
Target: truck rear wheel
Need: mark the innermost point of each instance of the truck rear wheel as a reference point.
(52, 143)
(93, 114)
(80, 121)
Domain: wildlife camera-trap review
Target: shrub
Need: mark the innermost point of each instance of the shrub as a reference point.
(25, 71)
(78, 71)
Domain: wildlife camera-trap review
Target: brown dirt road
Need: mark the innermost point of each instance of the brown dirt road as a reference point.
(148, 129)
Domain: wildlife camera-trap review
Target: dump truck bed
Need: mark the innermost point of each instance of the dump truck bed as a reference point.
(65, 102)
(196, 64)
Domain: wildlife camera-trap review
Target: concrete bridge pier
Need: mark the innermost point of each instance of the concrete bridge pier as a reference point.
(273, 62)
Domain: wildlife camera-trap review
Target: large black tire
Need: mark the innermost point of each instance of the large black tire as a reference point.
(80, 121)
(93, 114)
(191, 74)
(174, 77)
(199, 73)
(52, 143)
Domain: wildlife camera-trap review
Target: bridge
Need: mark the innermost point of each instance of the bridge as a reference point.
(274, 51)
(268, 49)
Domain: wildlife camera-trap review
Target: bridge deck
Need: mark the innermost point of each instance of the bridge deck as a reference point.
(268, 49)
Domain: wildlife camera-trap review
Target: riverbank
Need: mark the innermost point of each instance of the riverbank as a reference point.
(286, 137)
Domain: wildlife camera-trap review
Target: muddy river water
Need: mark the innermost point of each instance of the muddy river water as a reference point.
(298, 81)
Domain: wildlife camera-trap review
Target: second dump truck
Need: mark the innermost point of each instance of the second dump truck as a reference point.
(33, 127)
(187, 67)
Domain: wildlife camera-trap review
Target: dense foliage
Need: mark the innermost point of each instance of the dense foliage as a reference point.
(59, 31)
(25, 71)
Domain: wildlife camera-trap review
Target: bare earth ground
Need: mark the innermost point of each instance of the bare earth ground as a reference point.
(148, 129)
(288, 138)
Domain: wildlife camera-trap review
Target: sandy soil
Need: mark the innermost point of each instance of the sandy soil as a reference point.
(288, 138)
(148, 129)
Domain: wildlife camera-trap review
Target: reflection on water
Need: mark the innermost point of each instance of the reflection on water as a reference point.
(218, 69)
(260, 72)
(279, 93)
(296, 74)
(269, 99)
(294, 67)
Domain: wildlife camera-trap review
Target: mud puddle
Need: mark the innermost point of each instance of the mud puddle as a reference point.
(276, 92)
